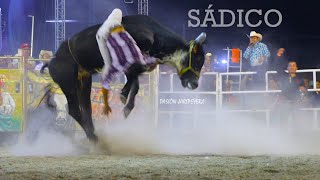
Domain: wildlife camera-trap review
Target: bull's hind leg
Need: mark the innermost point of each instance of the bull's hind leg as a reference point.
(65, 75)
(71, 92)
(84, 91)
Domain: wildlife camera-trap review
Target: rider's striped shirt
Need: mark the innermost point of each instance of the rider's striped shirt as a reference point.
(124, 52)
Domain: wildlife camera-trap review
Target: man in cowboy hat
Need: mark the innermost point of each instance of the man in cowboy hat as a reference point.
(44, 56)
(257, 53)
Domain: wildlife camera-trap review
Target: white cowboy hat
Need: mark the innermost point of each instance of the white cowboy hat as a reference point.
(208, 54)
(254, 34)
(42, 52)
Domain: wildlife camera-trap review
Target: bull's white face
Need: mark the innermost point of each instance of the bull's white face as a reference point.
(188, 62)
(175, 59)
(182, 59)
(191, 66)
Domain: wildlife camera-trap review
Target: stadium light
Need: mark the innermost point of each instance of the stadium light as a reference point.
(224, 61)
(32, 32)
(67, 21)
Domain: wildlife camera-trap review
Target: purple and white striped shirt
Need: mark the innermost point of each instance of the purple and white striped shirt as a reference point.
(124, 52)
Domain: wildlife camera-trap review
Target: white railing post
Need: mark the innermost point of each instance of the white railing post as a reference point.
(268, 118)
(171, 82)
(315, 119)
(267, 82)
(267, 78)
(156, 89)
(220, 91)
(217, 91)
(314, 77)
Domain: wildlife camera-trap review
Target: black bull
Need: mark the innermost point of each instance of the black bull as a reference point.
(79, 57)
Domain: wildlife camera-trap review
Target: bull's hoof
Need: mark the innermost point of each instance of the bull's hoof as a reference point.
(123, 99)
(93, 138)
(126, 111)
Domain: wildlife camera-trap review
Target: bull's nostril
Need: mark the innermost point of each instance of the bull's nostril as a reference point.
(192, 85)
(195, 85)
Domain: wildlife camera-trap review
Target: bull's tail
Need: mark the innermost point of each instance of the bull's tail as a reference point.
(43, 67)
(47, 96)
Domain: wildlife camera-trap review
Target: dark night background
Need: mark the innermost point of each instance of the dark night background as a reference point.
(299, 32)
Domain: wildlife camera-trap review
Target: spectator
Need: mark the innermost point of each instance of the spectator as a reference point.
(4, 63)
(306, 82)
(44, 56)
(292, 87)
(316, 96)
(215, 64)
(24, 52)
(305, 97)
(207, 81)
(230, 99)
(278, 61)
(257, 53)
(207, 64)
(273, 85)
(290, 84)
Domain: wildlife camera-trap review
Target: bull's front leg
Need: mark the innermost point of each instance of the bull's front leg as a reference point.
(133, 92)
(132, 75)
(126, 90)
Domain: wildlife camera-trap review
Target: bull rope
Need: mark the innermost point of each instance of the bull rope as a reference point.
(72, 53)
(81, 71)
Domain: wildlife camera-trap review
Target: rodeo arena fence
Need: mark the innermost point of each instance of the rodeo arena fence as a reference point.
(172, 105)
(221, 96)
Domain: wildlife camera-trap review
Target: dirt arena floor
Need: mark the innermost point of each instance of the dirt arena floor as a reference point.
(140, 152)
(159, 167)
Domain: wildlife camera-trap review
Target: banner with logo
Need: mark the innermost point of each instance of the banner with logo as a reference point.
(11, 100)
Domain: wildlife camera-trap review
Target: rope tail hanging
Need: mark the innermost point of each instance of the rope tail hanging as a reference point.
(82, 73)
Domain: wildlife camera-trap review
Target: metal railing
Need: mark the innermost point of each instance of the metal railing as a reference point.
(314, 77)
(172, 91)
(220, 92)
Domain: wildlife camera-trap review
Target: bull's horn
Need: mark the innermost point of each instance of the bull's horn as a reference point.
(201, 38)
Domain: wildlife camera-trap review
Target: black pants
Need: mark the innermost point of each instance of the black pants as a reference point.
(258, 80)
(283, 113)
